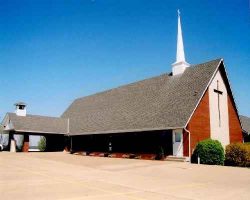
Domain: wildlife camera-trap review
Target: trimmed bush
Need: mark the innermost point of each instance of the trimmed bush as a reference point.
(42, 144)
(238, 154)
(210, 152)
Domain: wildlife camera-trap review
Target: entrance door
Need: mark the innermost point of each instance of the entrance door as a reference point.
(177, 143)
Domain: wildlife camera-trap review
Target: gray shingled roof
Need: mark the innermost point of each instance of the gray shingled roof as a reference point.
(162, 102)
(38, 124)
(245, 122)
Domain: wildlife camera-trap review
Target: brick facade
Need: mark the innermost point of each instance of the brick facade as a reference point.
(199, 125)
(25, 147)
(235, 131)
(185, 144)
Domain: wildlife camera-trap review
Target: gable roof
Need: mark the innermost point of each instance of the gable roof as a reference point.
(20, 103)
(245, 122)
(36, 124)
(162, 102)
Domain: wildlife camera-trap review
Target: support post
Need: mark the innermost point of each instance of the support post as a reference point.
(9, 139)
(71, 144)
(12, 142)
(25, 147)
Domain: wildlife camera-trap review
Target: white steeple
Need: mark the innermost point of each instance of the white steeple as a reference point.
(180, 64)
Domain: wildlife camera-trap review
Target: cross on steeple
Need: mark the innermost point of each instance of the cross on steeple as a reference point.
(179, 13)
(219, 92)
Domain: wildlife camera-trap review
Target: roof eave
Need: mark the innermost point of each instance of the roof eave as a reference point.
(124, 131)
(245, 132)
(39, 132)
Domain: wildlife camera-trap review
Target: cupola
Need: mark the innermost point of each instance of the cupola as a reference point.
(20, 109)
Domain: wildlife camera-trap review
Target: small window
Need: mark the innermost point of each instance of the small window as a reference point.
(21, 107)
(177, 137)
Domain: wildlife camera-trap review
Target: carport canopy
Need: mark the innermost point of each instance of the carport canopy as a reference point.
(35, 124)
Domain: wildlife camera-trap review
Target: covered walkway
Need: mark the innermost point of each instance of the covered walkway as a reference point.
(54, 129)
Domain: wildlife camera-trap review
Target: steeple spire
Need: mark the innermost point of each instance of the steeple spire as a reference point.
(180, 55)
(180, 64)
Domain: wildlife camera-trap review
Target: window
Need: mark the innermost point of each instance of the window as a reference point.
(177, 137)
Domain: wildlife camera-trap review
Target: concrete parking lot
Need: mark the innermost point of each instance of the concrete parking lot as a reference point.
(71, 177)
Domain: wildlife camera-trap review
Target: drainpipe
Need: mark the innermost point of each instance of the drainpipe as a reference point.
(189, 143)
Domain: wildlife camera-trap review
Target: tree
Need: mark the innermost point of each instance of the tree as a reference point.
(42, 144)
(19, 142)
(4, 138)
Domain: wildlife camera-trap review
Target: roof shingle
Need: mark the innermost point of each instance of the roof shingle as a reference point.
(245, 122)
(162, 102)
(38, 124)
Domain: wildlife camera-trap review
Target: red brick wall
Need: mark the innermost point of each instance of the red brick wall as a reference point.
(185, 144)
(25, 147)
(235, 132)
(199, 125)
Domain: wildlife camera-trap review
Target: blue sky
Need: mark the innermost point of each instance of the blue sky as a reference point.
(52, 52)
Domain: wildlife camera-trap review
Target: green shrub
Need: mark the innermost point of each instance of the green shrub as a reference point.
(19, 142)
(238, 154)
(210, 152)
(247, 164)
(42, 144)
(160, 153)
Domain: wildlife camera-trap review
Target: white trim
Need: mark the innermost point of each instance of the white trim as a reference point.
(125, 131)
(103, 132)
(41, 132)
(5, 119)
(246, 132)
(7, 123)
(221, 60)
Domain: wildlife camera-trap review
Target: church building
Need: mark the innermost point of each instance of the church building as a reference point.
(167, 114)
